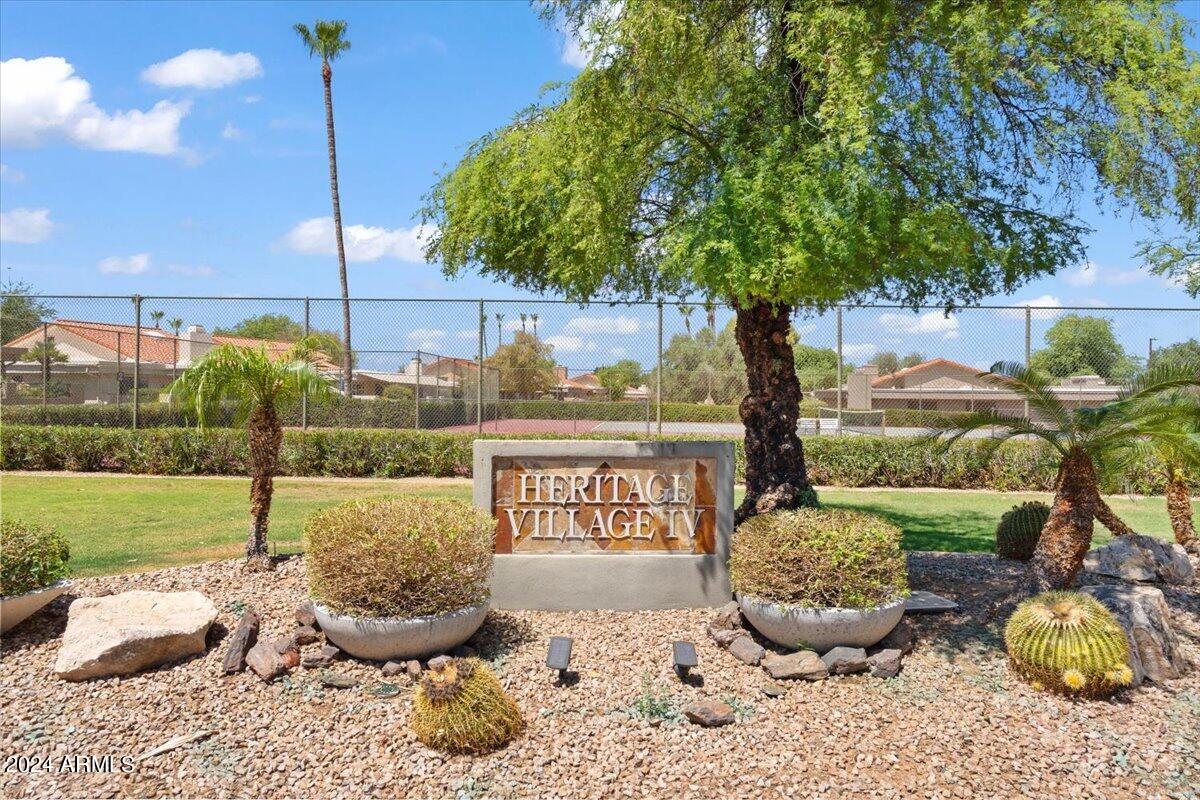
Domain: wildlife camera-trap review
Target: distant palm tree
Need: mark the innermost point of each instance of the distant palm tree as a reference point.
(326, 40)
(534, 317)
(710, 311)
(175, 323)
(156, 317)
(1085, 439)
(258, 387)
(686, 311)
(524, 316)
(499, 330)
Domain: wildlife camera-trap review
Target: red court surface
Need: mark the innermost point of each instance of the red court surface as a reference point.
(529, 426)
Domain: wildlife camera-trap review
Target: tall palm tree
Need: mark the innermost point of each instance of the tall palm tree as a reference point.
(175, 323)
(524, 317)
(499, 330)
(257, 387)
(686, 311)
(1178, 453)
(326, 40)
(710, 311)
(534, 319)
(156, 317)
(1085, 439)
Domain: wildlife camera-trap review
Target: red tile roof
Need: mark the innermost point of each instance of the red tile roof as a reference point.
(884, 380)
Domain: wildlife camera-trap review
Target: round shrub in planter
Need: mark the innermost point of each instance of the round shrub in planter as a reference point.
(33, 569)
(819, 578)
(399, 578)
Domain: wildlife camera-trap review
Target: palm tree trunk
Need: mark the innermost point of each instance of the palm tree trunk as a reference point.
(1179, 509)
(266, 437)
(776, 477)
(1109, 519)
(1067, 534)
(347, 360)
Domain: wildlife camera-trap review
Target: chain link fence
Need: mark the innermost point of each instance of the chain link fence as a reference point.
(536, 366)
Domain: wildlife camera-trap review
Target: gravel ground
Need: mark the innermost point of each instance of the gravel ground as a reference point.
(955, 723)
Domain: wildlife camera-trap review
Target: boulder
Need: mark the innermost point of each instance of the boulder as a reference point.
(393, 668)
(124, 633)
(1135, 557)
(729, 616)
(845, 660)
(746, 650)
(900, 638)
(725, 636)
(804, 664)
(709, 713)
(885, 663)
(265, 661)
(244, 637)
(305, 634)
(1154, 649)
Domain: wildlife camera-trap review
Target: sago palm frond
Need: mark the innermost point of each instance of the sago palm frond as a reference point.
(1004, 426)
(1033, 386)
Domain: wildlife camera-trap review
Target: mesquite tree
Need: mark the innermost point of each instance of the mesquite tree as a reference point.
(776, 154)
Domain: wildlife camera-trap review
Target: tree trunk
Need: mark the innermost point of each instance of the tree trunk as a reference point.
(266, 436)
(347, 359)
(1179, 509)
(1067, 534)
(1109, 519)
(775, 474)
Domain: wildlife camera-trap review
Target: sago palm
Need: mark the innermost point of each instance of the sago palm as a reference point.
(327, 40)
(1177, 453)
(257, 387)
(1085, 439)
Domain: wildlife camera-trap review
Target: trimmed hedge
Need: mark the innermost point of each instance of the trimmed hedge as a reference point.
(344, 452)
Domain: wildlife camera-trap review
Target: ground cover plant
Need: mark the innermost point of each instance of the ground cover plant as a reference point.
(819, 558)
(33, 556)
(119, 523)
(399, 557)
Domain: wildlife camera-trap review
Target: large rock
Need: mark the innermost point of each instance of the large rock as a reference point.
(746, 650)
(804, 664)
(1135, 557)
(1155, 654)
(124, 633)
(710, 713)
(845, 660)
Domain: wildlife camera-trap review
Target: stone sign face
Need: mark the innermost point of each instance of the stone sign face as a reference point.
(607, 524)
(605, 505)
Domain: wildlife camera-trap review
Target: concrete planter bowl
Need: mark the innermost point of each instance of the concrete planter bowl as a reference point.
(821, 629)
(16, 609)
(400, 638)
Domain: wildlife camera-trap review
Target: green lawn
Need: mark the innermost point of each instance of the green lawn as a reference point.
(129, 524)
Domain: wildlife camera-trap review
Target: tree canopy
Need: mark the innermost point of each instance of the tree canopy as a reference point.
(1084, 345)
(809, 151)
(616, 378)
(525, 366)
(282, 328)
(20, 311)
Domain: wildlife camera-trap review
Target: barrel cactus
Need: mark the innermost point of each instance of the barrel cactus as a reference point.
(1070, 643)
(460, 707)
(1019, 529)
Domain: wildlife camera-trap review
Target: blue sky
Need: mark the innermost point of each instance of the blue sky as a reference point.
(207, 174)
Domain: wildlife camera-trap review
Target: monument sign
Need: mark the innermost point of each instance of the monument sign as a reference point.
(607, 524)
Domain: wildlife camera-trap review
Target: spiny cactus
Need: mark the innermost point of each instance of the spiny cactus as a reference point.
(460, 707)
(1019, 530)
(1068, 642)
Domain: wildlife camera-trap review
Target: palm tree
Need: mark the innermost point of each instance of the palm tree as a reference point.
(258, 387)
(1084, 439)
(156, 317)
(499, 330)
(326, 41)
(686, 311)
(175, 323)
(710, 311)
(534, 318)
(1178, 453)
(524, 317)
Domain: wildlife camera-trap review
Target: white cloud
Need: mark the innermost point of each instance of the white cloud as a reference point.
(1091, 273)
(125, 265)
(577, 52)
(1039, 305)
(251, 99)
(467, 334)
(426, 333)
(231, 131)
(570, 344)
(363, 242)
(931, 322)
(855, 352)
(616, 352)
(42, 99)
(10, 175)
(608, 325)
(25, 225)
(573, 52)
(203, 68)
(189, 271)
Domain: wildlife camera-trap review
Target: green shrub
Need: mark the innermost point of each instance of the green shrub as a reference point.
(399, 557)
(1068, 642)
(819, 558)
(1019, 530)
(31, 556)
(893, 461)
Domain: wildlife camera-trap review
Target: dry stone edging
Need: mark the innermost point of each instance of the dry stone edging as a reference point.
(122, 634)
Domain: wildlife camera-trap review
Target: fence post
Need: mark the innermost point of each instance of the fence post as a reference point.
(479, 374)
(840, 378)
(417, 401)
(1028, 349)
(658, 380)
(137, 357)
(45, 369)
(304, 397)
